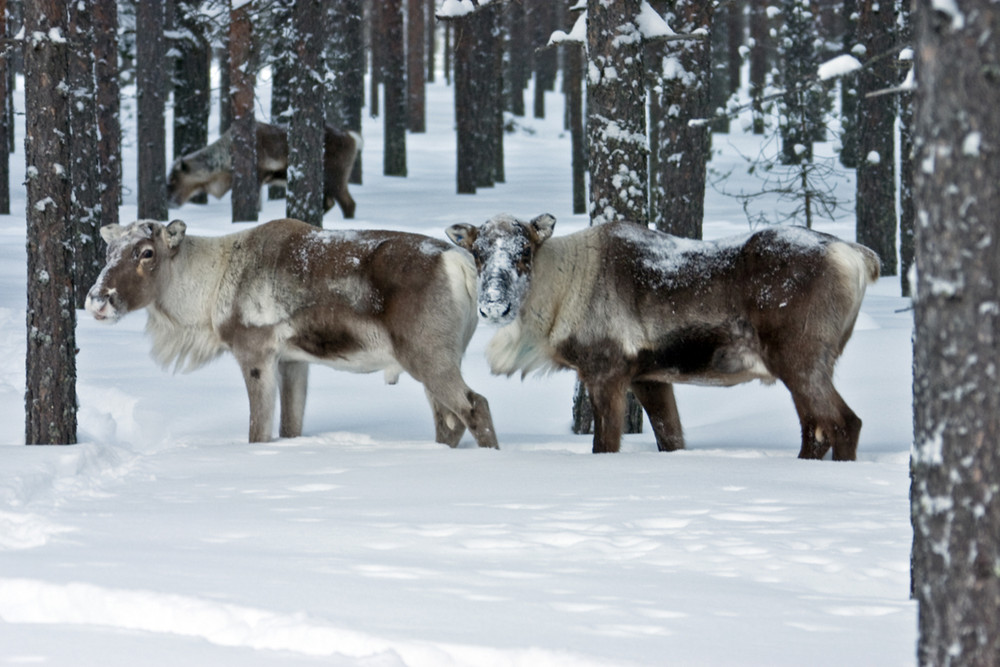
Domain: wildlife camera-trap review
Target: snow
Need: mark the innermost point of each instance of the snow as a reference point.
(838, 66)
(163, 538)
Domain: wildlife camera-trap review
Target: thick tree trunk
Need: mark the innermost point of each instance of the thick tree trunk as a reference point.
(466, 106)
(415, 85)
(50, 396)
(305, 133)
(876, 198)
(348, 67)
(956, 460)
(151, 91)
(246, 185)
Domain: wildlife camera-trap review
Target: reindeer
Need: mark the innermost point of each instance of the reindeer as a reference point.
(210, 169)
(285, 294)
(628, 307)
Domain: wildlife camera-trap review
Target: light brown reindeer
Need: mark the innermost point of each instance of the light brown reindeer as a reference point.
(285, 294)
(628, 307)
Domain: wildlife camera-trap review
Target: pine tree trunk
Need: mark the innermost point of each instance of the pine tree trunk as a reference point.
(574, 102)
(246, 185)
(50, 396)
(305, 133)
(108, 98)
(541, 18)
(466, 106)
(86, 207)
(193, 86)
(416, 95)
(6, 120)
(394, 88)
(151, 92)
(759, 60)
(518, 68)
(876, 184)
(907, 212)
(956, 460)
(718, 78)
(849, 91)
(682, 149)
(347, 65)
(281, 73)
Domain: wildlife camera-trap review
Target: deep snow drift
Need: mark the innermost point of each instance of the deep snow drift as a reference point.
(165, 539)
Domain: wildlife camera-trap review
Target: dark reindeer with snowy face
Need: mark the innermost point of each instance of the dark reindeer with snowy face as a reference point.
(285, 294)
(628, 307)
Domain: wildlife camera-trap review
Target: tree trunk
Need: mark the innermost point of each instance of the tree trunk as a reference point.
(281, 73)
(150, 91)
(6, 120)
(760, 38)
(956, 460)
(719, 59)
(415, 84)
(305, 133)
(50, 396)
(246, 185)
(466, 106)
(574, 103)
(347, 63)
(682, 149)
(849, 91)
(541, 18)
(193, 86)
(86, 202)
(394, 88)
(907, 214)
(108, 98)
(518, 67)
(876, 185)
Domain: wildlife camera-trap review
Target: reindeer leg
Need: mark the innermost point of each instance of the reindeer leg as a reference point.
(827, 422)
(260, 376)
(448, 428)
(294, 382)
(608, 399)
(657, 398)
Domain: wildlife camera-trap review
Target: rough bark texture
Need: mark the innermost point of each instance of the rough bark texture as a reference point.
(348, 68)
(305, 133)
(394, 88)
(281, 73)
(151, 93)
(876, 198)
(86, 210)
(246, 188)
(956, 462)
(192, 83)
(574, 104)
(760, 38)
(50, 397)
(466, 105)
(6, 120)
(682, 149)
(105, 17)
(907, 212)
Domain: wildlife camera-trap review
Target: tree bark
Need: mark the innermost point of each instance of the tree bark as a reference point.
(6, 119)
(348, 67)
(394, 88)
(415, 82)
(50, 396)
(245, 196)
(305, 133)
(193, 86)
(956, 460)
(151, 92)
(876, 184)
(108, 98)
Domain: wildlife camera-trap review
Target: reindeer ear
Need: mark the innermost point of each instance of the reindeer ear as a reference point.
(543, 226)
(462, 234)
(175, 233)
(111, 232)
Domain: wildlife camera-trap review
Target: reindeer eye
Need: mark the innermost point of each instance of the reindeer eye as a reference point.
(146, 254)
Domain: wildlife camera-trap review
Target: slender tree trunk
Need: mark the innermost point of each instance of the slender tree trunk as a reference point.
(415, 80)
(193, 86)
(431, 43)
(150, 91)
(281, 73)
(759, 61)
(574, 102)
(541, 17)
(466, 106)
(50, 396)
(86, 206)
(876, 183)
(516, 79)
(394, 89)
(246, 184)
(956, 460)
(907, 212)
(108, 98)
(6, 120)
(849, 91)
(305, 134)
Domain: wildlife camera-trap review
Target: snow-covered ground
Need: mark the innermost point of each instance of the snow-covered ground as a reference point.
(165, 539)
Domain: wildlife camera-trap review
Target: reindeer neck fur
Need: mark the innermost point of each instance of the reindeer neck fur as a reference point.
(564, 274)
(181, 323)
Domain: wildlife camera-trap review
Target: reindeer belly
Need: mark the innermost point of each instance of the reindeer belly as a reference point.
(363, 348)
(723, 354)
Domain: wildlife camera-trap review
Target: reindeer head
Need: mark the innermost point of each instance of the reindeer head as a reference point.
(503, 248)
(136, 255)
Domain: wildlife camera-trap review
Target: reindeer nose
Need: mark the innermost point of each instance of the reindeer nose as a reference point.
(494, 310)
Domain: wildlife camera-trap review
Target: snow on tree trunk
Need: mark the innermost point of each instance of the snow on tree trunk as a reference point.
(347, 63)
(876, 184)
(84, 153)
(805, 102)
(394, 88)
(192, 83)
(760, 48)
(907, 214)
(108, 100)
(849, 89)
(305, 133)
(245, 198)
(956, 458)
(6, 120)
(50, 396)
(684, 84)
(151, 92)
